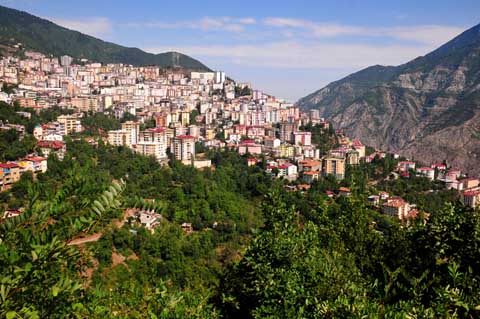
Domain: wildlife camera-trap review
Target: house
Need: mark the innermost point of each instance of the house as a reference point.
(396, 208)
(344, 191)
(374, 200)
(270, 143)
(452, 175)
(310, 176)
(149, 219)
(187, 228)
(34, 164)
(52, 147)
(359, 147)
(468, 183)
(427, 172)
(405, 174)
(287, 170)
(471, 197)
(303, 187)
(457, 185)
(405, 166)
(9, 174)
(383, 195)
(309, 166)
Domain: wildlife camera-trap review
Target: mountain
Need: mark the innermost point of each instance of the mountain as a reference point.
(46, 37)
(427, 109)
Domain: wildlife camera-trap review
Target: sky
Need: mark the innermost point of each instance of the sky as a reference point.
(285, 48)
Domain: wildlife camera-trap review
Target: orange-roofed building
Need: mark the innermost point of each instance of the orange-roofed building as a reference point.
(396, 208)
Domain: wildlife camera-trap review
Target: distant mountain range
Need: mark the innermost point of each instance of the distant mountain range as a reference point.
(46, 37)
(428, 108)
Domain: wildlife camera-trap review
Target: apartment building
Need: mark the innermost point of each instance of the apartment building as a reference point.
(183, 147)
(71, 123)
(9, 174)
(334, 166)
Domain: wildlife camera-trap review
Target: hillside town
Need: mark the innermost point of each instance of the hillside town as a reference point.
(174, 112)
(231, 160)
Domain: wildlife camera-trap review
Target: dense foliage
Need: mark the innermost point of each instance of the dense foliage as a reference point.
(325, 139)
(12, 147)
(336, 263)
(256, 250)
(8, 114)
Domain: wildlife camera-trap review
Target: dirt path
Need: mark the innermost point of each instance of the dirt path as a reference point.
(88, 239)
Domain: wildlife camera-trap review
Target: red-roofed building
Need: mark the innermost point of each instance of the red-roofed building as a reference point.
(309, 165)
(11, 213)
(329, 193)
(34, 164)
(396, 208)
(287, 170)
(310, 176)
(52, 147)
(414, 214)
(344, 191)
(439, 166)
(252, 161)
(470, 197)
(155, 130)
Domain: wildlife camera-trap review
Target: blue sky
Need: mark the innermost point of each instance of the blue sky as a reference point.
(286, 48)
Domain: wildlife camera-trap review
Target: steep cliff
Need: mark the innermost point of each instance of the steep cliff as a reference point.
(428, 108)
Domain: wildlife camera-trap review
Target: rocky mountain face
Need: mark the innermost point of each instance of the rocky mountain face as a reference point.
(427, 109)
(46, 37)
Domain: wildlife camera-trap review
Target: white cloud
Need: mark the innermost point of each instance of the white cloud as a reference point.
(317, 29)
(206, 24)
(294, 55)
(247, 21)
(424, 34)
(429, 34)
(96, 26)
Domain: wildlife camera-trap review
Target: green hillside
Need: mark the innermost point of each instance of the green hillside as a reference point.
(44, 36)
